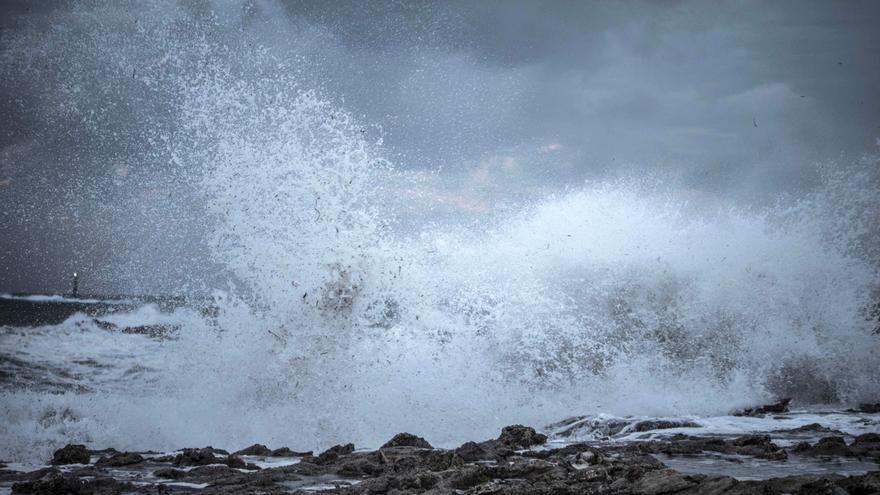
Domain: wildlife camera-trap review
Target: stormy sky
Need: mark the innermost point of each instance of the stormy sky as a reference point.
(500, 101)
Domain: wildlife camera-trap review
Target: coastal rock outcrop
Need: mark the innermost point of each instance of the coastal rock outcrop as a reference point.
(517, 462)
(71, 454)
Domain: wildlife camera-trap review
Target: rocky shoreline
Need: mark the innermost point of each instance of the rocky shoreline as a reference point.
(518, 461)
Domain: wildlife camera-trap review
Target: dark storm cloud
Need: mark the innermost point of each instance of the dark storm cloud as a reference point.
(507, 100)
(676, 86)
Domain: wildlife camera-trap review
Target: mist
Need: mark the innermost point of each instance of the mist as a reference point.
(491, 106)
(308, 224)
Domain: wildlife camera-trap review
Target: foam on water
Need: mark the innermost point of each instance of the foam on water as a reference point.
(62, 299)
(339, 324)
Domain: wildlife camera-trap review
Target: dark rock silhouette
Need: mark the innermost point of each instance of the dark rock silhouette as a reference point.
(71, 454)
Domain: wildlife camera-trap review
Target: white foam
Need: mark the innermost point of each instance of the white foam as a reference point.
(62, 299)
(338, 324)
(270, 462)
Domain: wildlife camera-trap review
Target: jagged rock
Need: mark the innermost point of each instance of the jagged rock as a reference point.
(760, 440)
(169, 473)
(810, 428)
(30, 476)
(779, 407)
(869, 483)
(522, 437)
(498, 467)
(363, 466)
(105, 452)
(828, 446)
(759, 446)
(196, 457)
(235, 461)
(662, 481)
(595, 427)
(407, 440)
(751, 445)
(867, 438)
(440, 460)
(119, 459)
(332, 454)
(71, 454)
(71, 485)
(209, 471)
(286, 452)
(649, 425)
(255, 449)
(153, 331)
(712, 485)
(104, 325)
(88, 472)
(469, 476)
(472, 451)
(341, 449)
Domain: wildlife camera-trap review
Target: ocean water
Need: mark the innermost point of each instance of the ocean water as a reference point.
(613, 300)
(342, 316)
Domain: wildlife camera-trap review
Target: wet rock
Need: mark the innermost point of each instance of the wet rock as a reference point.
(105, 452)
(760, 440)
(332, 454)
(779, 407)
(153, 331)
(362, 466)
(589, 457)
(869, 483)
(209, 471)
(255, 449)
(712, 485)
(468, 477)
(71, 454)
(88, 471)
(752, 445)
(867, 438)
(286, 452)
(501, 466)
(119, 459)
(169, 473)
(799, 484)
(341, 449)
(662, 481)
(407, 440)
(825, 447)
(104, 325)
(810, 428)
(29, 476)
(598, 428)
(527, 469)
(472, 451)
(759, 446)
(824, 486)
(440, 460)
(521, 437)
(235, 461)
(71, 485)
(649, 425)
(869, 408)
(196, 457)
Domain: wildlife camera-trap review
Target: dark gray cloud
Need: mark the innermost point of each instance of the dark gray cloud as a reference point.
(507, 100)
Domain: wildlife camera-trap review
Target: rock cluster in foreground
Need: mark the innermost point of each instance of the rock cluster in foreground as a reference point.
(517, 462)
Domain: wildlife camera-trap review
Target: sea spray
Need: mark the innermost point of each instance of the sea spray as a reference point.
(332, 321)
